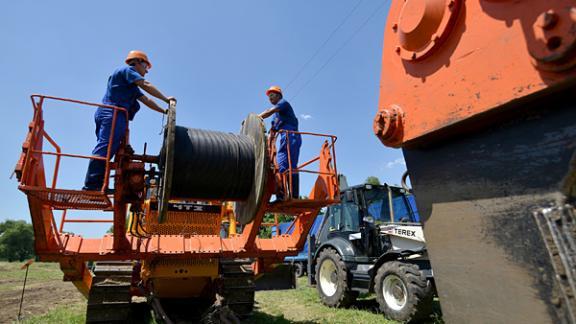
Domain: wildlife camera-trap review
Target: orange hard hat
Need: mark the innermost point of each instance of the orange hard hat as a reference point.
(273, 89)
(138, 55)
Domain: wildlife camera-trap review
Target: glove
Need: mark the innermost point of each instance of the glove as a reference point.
(170, 99)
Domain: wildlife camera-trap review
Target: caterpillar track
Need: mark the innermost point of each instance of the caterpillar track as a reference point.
(236, 286)
(109, 300)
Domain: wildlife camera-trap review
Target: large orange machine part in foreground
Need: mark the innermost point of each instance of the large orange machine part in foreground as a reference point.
(480, 95)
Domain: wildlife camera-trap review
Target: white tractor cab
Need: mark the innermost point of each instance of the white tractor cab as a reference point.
(372, 242)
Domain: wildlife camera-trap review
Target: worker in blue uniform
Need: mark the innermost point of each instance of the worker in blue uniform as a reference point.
(123, 90)
(285, 119)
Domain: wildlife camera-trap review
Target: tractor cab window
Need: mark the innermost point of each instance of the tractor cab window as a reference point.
(403, 205)
(344, 217)
(350, 221)
(377, 205)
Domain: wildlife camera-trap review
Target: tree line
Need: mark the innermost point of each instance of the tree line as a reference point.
(16, 240)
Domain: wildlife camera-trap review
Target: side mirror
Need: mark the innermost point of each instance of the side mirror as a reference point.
(368, 219)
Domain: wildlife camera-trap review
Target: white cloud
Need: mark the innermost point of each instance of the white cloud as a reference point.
(399, 161)
(306, 117)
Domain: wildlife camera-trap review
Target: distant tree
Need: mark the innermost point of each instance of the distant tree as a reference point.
(16, 240)
(372, 180)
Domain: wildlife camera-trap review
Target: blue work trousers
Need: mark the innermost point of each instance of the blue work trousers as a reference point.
(295, 141)
(97, 168)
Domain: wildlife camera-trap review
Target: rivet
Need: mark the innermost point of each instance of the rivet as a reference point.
(398, 49)
(548, 20)
(414, 55)
(395, 27)
(451, 4)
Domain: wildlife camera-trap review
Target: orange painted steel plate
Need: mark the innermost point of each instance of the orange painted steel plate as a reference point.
(447, 61)
(198, 246)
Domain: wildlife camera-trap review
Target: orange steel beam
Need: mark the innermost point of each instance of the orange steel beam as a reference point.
(76, 271)
(251, 230)
(62, 220)
(32, 170)
(58, 151)
(188, 246)
(446, 62)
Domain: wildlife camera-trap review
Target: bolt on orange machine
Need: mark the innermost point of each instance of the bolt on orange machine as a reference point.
(171, 249)
(480, 95)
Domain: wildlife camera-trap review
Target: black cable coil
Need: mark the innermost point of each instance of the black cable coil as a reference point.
(212, 165)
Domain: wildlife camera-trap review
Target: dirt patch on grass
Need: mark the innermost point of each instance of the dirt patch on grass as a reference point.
(41, 295)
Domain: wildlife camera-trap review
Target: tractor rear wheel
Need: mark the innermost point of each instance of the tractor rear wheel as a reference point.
(299, 269)
(403, 292)
(332, 280)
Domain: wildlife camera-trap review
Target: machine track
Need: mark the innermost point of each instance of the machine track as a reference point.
(109, 300)
(236, 286)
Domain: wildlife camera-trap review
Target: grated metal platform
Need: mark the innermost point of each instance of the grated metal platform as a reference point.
(69, 199)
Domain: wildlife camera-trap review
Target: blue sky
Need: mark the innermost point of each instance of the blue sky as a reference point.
(216, 57)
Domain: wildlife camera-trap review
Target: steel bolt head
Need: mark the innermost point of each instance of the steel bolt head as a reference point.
(548, 20)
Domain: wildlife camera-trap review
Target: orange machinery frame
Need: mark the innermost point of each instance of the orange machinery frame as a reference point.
(72, 250)
(465, 85)
(448, 64)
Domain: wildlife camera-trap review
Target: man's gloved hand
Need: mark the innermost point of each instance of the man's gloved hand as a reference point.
(170, 99)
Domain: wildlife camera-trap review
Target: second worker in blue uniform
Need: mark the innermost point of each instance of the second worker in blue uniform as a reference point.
(285, 119)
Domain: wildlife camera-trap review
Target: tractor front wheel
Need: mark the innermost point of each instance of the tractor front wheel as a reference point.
(403, 292)
(332, 280)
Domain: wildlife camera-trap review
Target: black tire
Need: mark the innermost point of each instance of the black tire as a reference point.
(332, 263)
(409, 294)
(299, 269)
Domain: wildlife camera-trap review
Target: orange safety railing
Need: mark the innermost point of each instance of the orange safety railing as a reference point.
(38, 125)
(31, 167)
(286, 176)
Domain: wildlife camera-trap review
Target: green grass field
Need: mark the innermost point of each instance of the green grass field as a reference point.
(49, 300)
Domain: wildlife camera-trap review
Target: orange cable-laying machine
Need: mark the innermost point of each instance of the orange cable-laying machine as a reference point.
(480, 96)
(172, 247)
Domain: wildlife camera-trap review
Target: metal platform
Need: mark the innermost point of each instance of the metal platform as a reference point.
(69, 199)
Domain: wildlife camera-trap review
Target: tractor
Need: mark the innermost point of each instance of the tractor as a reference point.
(372, 242)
